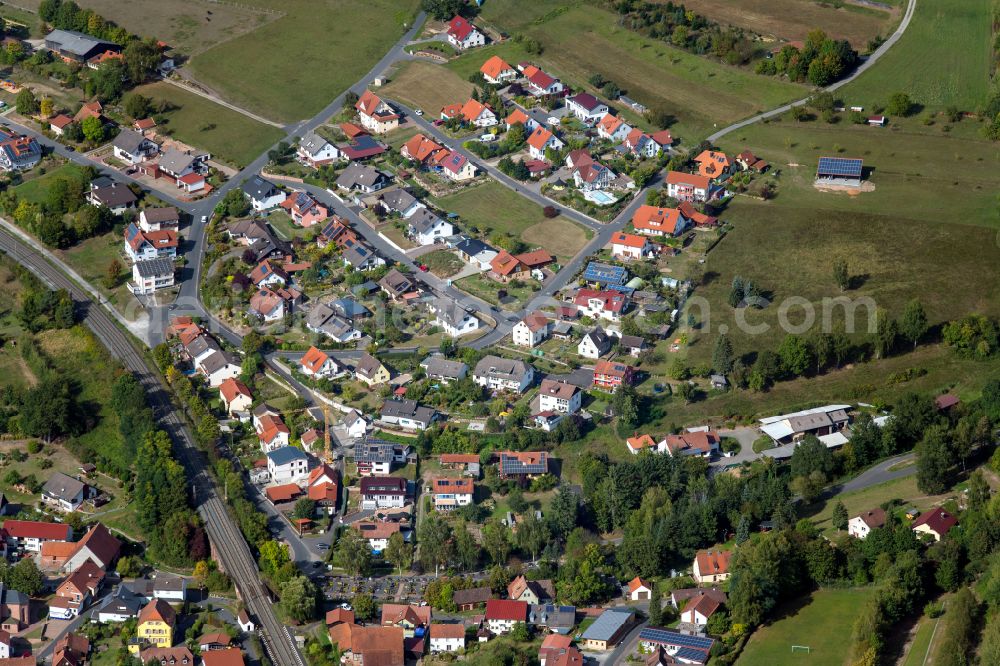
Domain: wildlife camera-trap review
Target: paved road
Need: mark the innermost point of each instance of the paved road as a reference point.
(626, 648)
(861, 69)
(234, 554)
(873, 476)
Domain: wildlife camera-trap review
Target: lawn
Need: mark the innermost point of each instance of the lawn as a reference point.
(821, 624)
(36, 185)
(290, 68)
(926, 63)
(423, 85)
(442, 263)
(91, 258)
(491, 206)
(230, 136)
(483, 287)
(583, 40)
(903, 489)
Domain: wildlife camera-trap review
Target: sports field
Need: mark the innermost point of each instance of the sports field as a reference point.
(823, 625)
(199, 122)
(943, 58)
(426, 86)
(581, 40)
(290, 68)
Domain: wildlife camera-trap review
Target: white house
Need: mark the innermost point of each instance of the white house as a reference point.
(688, 186)
(141, 245)
(235, 395)
(355, 424)
(375, 115)
(315, 151)
(859, 526)
(503, 374)
(502, 614)
(539, 82)
(133, 148)
(639, 589)
(426, 228)
(271, 429)
(478, 114)
(496, 71)
(562, 397)
(631, 246)
(450, 492)
(382, 493)
(587, 108)
(447, 637)
(594, 344)
(453, 320)
(613, 128)
(263, 194)
(315, 363)
(531, 331)
(711, 566)
(699, 609)
(150, 275)
(287, 465)
(246, 624)
(457, 167)
(219, 366)
(157, 219)
(542, 139)
(463, 35)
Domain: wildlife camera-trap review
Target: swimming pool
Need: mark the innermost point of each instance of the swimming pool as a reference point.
(600, 198)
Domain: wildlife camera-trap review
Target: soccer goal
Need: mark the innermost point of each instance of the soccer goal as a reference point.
(801, 648)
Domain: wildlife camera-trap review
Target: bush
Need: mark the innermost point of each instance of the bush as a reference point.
(550, 211)
(34, 446)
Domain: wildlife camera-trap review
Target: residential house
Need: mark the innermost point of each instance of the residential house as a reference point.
(383, 493)
(454, 320)
(64, 493)
(19, 153)
(455, 166)
(315, 151)
(426, 228)
(472, 598)
(639, 589)
(29, 535)
(558, 650)
(70, 650)
(413, 620)
(287, 464)
(271, 430)
(609, 375)
(220, 366)
(447, 637)
(440, 369)
(368, 645)
(316, 363)
(59, 123)
(362, 178)
(631, 246)
(98, 546)
(587, 108)
(180, 164)
(421, 148)
(226, 657)
(396, 285)
(750, 162)
(478, 114)
(689, 186)
(158, 219)
(680, 597)
(711, 566)
(151, 275)
(304, 210)
(594, 344)
(361, 148)
(935, 524)
(821, 422)
(214, 641)
(463, 35)
(502, 614)
(476, 252)
(862, 524)
(604, 275)
(116, 197)
(608, 629)
(608, 304)
(270, 304)
(539, 83)
(133, 148)
(712, 164)
(503, 374)
(613, 128)
(375, 115)
(557, 619)
(14, 613)
(339, 616)
(522, 465)
(633, 345)
(519, 117)
(262, 194)
(155, 626)
(76, 591)
(561, 397)
(371, 371)
(531, 331)
(235, 395)
(322, 319)
(407, 414)
(531, 591)
(541, 140)
(588, 173)
(672, 646)
(640, 145)
(122, 606)
(266, 274)
(399, 201)
(323, 487)
(361, 256)
(637, 443)
(450, 493)
(496, 71)
(535, 261)
(141, 245)
(700, 443)
(506, 267)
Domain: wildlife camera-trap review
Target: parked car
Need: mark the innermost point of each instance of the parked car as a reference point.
(487, 138)
(419, 112)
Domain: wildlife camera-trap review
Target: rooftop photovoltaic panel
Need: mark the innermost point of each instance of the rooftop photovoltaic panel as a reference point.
(839, 166)
(676, 638)
(598, 272)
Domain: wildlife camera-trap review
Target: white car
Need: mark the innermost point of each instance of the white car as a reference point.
(553, 120)
(487, 138)
(419, 112)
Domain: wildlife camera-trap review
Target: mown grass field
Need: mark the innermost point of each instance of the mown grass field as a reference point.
(290, 68)
(581, 40)
(793, 19)
(426, 86)
(228, 135)
(943, 58)
(822, 624)
(493, 207)
(904, 490)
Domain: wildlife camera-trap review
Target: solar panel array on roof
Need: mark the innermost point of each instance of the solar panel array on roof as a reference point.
(628, 291)
(668, 637)
(605, 274)
(131, 231)
(842, 167)
(512, 465)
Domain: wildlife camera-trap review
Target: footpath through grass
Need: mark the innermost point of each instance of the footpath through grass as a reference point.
(822, 625)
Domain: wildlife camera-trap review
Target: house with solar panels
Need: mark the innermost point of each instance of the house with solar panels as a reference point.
(684, 648)
(522, 464)
(839, 171)
(605, 275)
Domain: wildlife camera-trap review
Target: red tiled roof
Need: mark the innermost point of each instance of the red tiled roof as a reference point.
(535, 258)
(628, 240)
(459, 458)
(637, 582)
(282, 493)
(226, 657)
(459, 28)
(539, 138)
(713, 561)
(611, 368)
(29, 529)
(495, 66)
(233, 387)
(937, 520)
(439, 630)
(506, 609)
(691, 179)
(313, 360)
(449, 485)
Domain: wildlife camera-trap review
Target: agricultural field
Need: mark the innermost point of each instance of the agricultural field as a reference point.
(290, 68)
(791, 20)
(926, 63)
(230, 136)
(821, 622)
(422, 85)
(580, 41)
(478, 206)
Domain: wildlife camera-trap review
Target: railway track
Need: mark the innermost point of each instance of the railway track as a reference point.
(232, 549)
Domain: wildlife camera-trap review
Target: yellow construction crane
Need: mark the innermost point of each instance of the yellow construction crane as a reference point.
(327, 424)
